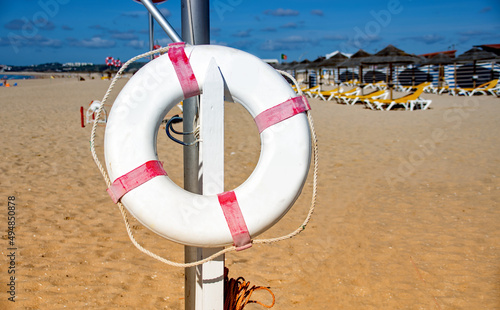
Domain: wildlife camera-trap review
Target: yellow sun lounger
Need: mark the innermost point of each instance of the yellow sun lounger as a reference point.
(427, 87)
(351, 92)
(409, 102)
(380, 85)
(378, 94)
(303, 88)
(350, 83)
(309, 92)
(326, 94)
(490, 87)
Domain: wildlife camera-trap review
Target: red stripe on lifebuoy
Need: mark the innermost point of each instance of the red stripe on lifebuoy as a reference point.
(183, 69)
(281, 112)
(134, 178)
(235, 220)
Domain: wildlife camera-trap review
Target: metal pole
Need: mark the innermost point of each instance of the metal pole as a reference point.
(195, 30)
(164, 24)
(151, 34)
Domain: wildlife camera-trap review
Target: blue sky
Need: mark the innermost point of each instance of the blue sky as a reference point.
(41, 31)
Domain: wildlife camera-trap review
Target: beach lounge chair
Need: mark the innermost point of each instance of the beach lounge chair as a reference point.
(380, 85)
(326, 94)
(441, 90)
(409, 102)
(491, 88)
(309, 92)
(427, 87)
(377, 94)
(303, 88)
(481, 89)
(350, 83)
(351, 92)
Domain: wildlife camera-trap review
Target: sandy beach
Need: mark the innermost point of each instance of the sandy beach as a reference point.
(407, 217)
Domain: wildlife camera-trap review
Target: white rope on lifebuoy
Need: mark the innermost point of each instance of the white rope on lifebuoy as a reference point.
(122, 209)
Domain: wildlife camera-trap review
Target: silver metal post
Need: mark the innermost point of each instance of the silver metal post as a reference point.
(151, 34)
(164, 24)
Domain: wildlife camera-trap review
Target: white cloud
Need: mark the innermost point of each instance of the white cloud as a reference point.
(124, 35)
(290, 25)
(282, 12)
(36, 41)
(243, 33)
(95, 42)
(334, 37)
(287, 43)
(137, 44)
(136, 14)
(317, 12)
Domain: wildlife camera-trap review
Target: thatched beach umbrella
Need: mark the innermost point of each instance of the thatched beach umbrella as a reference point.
(391, 55)
(333, 61)
(289, 65)
(475, 54)
(356, 61)
(316, 63)
(440, 60)
(303, 65)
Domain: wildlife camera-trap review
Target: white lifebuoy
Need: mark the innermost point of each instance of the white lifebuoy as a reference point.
(192, 219)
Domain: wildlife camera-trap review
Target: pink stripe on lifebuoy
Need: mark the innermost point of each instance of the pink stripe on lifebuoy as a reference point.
(183, 69)
(134, 178)
(235, 220)
(281, 112)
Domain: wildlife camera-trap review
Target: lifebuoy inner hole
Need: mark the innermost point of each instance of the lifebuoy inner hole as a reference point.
(241, 147)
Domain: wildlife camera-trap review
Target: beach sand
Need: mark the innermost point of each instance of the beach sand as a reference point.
(407, 216)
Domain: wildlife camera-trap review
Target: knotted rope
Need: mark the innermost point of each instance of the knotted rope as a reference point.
(237, 293)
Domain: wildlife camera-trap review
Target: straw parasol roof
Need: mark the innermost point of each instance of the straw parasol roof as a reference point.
(475, 54)
(439, 59)
(494, 48)
(316, 63)
(302, 65)
(391, 54)
(334, 60)
(361, 53)
(355, 60)
(289, 65)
